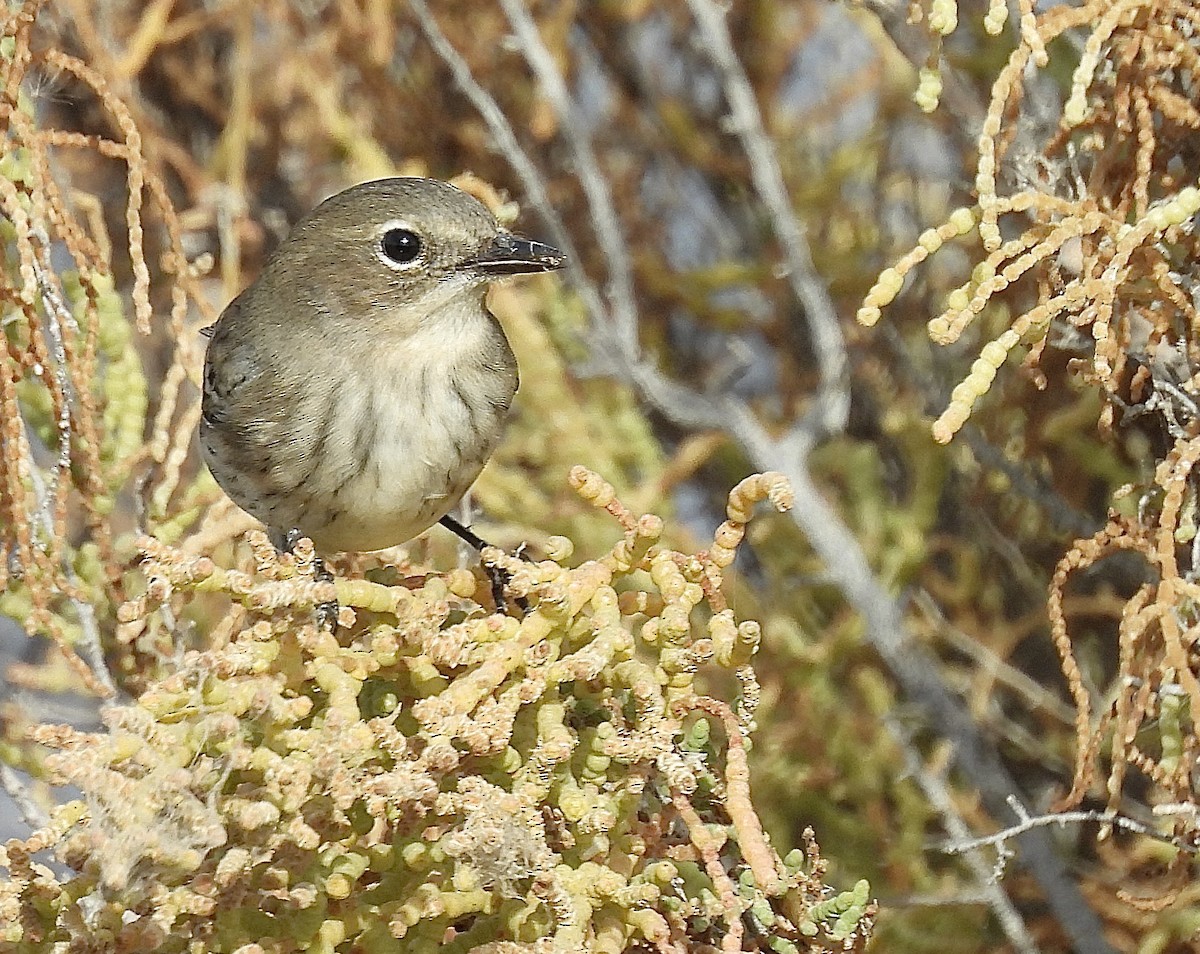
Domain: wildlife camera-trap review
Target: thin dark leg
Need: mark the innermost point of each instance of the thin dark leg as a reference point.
(466, 534)
(498, 576)
(327, 613)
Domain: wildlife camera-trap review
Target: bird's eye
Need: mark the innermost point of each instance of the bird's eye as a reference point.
(402, 246)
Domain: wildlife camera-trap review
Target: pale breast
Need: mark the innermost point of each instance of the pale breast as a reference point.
(364, 442)
(406, 449)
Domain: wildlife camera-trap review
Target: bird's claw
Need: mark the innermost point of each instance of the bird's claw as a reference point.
(327, 613)
(497, 575)
(500, 578)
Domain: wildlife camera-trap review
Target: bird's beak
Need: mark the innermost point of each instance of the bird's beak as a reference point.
(512, 255)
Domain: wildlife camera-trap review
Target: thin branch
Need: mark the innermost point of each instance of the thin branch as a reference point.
(1028, 822)
(833, 400)
(934, 787)
(623, 325)
(682, 406)
(959, 900)
(509, 147)
(1029, 485)
(30, 811)
(1036, 694)
(58, 317)
(88, 645)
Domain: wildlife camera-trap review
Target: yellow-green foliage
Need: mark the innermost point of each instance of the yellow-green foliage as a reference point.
(560, 422)
(561, 778)
(123, 387)
(572, 776)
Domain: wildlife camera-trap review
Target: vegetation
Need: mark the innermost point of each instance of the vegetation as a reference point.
(953, 645)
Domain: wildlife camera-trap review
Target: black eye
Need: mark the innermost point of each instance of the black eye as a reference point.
(401, 245)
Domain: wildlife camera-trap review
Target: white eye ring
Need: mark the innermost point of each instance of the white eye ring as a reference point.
(399, 246)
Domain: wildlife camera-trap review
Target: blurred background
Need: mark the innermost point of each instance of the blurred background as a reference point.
(728, 181)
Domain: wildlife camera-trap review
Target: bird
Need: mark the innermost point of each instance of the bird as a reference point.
(352, 393)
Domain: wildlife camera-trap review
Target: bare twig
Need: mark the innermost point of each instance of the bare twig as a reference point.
(934, 787)
(1028, 822)
(88, 644)
(31, 812)
(58, 317)
(506, 142)
(939, 900)
(623, 326)
(1029, 485)
(833, 400)
(1037, 695)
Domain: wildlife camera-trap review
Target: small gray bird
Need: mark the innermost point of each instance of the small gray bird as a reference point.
(355, 390)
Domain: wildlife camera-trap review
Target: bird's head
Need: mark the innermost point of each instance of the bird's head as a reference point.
(400, 250)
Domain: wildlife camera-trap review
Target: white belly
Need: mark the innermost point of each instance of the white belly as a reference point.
(403, 454)
(376, 439)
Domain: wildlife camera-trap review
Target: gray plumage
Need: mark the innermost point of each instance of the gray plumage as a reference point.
(353, 395)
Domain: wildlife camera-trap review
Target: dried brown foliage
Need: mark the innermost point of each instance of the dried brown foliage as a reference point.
(1101, 212)
(606, 120)
(67, 349)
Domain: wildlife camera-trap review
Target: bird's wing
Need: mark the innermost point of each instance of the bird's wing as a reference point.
(252, 398)
(236, 378)
(263, 419)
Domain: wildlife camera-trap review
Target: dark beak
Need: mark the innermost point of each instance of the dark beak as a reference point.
(512, 255)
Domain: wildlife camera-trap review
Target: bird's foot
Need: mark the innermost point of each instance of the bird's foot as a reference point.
(500, 578)
(327, 613)
(497, 575)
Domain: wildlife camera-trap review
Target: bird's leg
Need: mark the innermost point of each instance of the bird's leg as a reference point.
(327, 613)
(499, 577)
